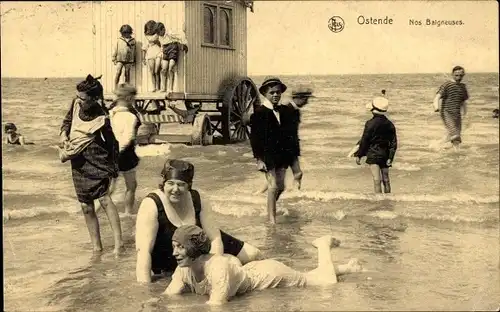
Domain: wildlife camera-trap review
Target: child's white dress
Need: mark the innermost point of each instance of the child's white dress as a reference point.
(152, 47)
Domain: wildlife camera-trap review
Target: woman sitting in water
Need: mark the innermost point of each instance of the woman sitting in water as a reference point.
(11, 136)
(223, 276)
(173, 205)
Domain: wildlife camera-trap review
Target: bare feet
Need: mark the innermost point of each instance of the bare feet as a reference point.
(118, 250)
(297, 181)
(261, 191)
(282, 212)
(297, 184)
(328, 240)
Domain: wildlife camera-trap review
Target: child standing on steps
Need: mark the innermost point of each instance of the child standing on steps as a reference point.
(378, 143)
(171, 47)
(124, 54)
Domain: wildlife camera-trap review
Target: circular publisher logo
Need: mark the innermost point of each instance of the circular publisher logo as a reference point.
(336, 24)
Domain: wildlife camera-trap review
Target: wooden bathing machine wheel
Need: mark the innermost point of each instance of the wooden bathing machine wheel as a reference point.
(241, 96)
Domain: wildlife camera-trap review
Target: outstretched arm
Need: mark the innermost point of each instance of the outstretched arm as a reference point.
(436, 103)
(146, 229)
(177, 285)
(66, 124)
(22, 141)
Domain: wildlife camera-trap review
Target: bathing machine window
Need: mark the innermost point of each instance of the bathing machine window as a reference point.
(217, 26)
(209, 15)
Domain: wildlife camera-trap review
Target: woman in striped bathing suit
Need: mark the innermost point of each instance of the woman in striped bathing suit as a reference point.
(454, 96)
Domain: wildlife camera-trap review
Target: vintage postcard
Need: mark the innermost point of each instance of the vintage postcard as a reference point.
(250, 155)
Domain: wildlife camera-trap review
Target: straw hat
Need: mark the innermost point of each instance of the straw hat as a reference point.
(270, 81)
(378, 105)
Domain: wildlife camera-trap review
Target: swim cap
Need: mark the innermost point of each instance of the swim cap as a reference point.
(179, 170)
(194, 240)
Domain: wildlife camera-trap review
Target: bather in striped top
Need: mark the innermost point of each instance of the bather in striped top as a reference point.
(453, 95)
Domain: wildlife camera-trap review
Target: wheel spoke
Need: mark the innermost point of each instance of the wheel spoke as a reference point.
(234, 103)
(241, 133)
(248, 94)
(250, 103)
(235, 133)
(241, 92)
(237, 114)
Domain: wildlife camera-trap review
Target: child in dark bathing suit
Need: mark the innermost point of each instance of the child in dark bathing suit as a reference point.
(11, 135)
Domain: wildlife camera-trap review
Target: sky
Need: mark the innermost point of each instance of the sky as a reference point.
(54, 39)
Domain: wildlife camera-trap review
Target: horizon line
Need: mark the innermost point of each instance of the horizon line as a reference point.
(258, 74)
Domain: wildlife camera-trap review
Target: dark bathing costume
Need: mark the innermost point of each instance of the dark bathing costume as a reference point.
(161, 257)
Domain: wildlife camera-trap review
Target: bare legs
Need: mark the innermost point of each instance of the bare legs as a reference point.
(326, 272)
(154, 71)
(93, 223)
(167, 75)
(380, 176)
(131, 186)
(297, 178)
(297, 174)
(119, 69)
(276, 186)
(125, 68)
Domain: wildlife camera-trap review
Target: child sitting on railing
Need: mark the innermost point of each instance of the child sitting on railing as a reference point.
(151, 53)
(124, 53)
(171, 45)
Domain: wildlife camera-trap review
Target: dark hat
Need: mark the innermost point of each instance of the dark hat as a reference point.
(91, 86)
(271, 81)
(9, 127)
(302, 91)
(179, 170)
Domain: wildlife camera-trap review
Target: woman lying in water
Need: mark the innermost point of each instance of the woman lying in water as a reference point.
(223, 276)
(175, 204)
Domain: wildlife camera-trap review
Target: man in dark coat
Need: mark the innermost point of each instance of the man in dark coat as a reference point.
(269, 123)
(300, 98)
